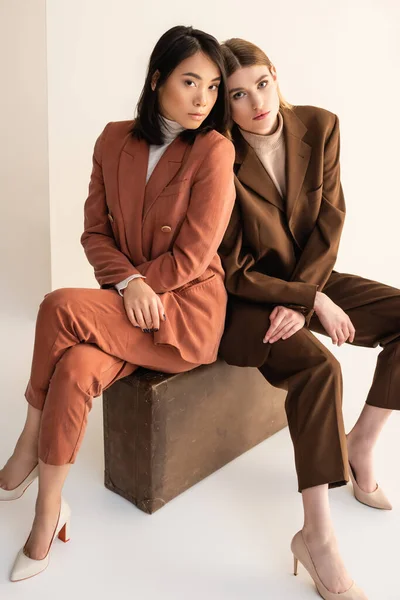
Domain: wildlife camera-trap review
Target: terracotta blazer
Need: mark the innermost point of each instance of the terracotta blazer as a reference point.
(168, 230)
(281, 251)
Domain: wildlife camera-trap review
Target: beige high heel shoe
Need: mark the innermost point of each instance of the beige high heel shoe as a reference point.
(21, 488)
(25, 567)
(376, 499)
(301, 553)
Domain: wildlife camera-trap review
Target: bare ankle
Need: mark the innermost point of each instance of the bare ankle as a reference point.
(322, 535)
(49, 501)
(27, 454)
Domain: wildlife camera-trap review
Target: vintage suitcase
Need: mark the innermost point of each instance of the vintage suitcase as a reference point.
(164, 433)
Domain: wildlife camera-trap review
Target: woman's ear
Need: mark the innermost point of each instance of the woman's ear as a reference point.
(273, 72)
(154, 79)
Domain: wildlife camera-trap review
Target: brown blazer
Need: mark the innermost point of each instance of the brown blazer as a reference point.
(168, 230)
(281, 251)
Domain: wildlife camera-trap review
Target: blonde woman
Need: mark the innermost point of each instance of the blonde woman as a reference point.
(278, 253)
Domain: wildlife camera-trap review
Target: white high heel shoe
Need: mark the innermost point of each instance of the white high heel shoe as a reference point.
(19, 490)
(25, 567)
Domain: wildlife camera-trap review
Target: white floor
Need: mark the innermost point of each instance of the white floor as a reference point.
(227, 538)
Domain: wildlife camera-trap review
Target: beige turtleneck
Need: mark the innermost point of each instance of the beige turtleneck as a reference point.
(270, 149)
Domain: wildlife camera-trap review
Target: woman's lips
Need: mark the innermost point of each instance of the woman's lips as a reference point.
(196, 117)
(261, 116)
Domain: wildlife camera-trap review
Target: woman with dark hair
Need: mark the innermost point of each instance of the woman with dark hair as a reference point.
(160, 197)
(278, 253)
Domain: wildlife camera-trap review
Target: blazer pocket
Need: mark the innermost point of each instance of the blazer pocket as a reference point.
(195, 283)
(174, 188)
(114, 228)
(313, 190)
(314, 197)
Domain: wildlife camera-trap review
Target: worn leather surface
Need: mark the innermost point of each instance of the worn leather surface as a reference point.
(164, 433)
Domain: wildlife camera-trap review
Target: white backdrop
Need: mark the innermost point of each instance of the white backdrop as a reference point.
(25, 272)
(342, 56)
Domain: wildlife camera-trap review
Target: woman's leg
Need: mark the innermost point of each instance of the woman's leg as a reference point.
(361, 442)
(25, 455)
(83, 343)
(374, 309)
(83, 372)
(47, 508)
(320, 538)
(312, 376)
(68, 317)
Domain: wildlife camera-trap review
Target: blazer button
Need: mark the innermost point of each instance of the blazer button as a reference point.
(110, 217)
(166, 228)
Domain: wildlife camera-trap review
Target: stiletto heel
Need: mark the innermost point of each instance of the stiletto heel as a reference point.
(295, 565)
(25, 567)
(301, 553)
(375, 499)
(6, 495)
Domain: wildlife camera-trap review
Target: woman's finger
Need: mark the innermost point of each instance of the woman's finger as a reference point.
(334, 336)
(351, 330)
(346, 332)
(131, 316)
(274, 312)
(139, 318)
(155, 317)
(274, 325)
(296, 327)
(161, 310)
(341, 336)
(281, 331)
(147, 315)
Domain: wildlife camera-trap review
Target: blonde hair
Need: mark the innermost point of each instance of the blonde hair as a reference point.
(239, 53)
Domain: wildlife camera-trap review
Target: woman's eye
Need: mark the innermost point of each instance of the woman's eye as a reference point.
(214, 87)
(263, 84)
(238, 95)
(189, 82)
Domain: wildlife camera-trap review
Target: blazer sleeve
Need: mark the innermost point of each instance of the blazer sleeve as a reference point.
(211, 201)
(244, 279)
(319, 255)
(111, 266)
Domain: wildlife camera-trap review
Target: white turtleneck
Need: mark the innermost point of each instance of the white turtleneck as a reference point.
(270, 149)
(170, 130)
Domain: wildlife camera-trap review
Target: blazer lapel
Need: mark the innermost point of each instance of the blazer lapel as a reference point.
(137, 198)
(164, 171)
(131, 183)
(252, 173)
(297, 158)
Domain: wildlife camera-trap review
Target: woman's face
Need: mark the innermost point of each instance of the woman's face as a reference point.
(190, 92)
(254, 100)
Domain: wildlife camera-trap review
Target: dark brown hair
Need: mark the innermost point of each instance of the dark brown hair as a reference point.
(174, 46)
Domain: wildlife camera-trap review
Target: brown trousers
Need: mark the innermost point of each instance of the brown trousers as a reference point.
(312, 376)
(83, 343)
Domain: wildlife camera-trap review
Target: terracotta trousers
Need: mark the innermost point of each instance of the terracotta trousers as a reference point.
(312, 376)
(84, 342)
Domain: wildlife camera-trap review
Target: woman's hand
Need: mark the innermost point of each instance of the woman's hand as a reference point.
(284, 323)
(143, 306)
(334, 320)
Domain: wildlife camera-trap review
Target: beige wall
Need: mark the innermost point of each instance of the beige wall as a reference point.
(24, 194)
(343, 57)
